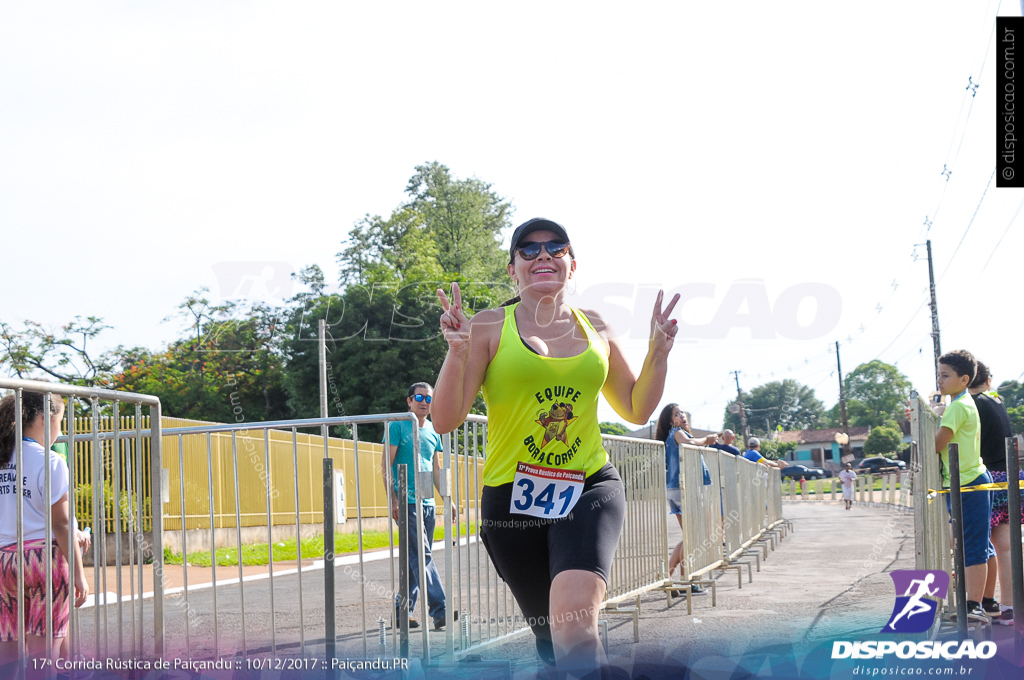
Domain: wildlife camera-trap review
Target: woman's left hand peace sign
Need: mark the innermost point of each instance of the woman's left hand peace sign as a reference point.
(663, 328)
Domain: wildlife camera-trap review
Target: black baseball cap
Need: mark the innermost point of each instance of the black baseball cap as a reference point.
(536, 224)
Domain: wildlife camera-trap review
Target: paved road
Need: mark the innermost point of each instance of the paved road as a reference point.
(827, 580)
(199, 627)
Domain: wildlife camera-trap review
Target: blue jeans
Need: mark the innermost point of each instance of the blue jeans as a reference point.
(435, 591)
(977, 511)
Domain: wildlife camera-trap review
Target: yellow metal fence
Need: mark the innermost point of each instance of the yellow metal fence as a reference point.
(134, 479)
(201, 470)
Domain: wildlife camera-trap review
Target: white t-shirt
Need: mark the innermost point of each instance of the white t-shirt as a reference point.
(847, 477)
(34, 481)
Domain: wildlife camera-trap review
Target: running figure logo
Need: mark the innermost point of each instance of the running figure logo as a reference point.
(913, 613)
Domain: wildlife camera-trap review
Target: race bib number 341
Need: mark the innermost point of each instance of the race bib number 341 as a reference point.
(545, 492)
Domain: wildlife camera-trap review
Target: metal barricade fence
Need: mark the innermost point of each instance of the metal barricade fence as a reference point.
(931, 520)
(640, 560)
(730, 484)
(751, 507)
(760, 492)
(121, 503)
(702, 509)
(487, 610)
(724, 518)
(774, 491)
(895, 491)
(273, 609)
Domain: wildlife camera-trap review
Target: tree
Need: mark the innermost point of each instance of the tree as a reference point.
(608, 427)
(1016, 419)
(382, 328)
(395, 250)
(882, 391)
(227, 367)
(884, 440)
(465, 219)
(61, 353)
(1012, 394)
(448, 230)
(776, 450)
(857, 415)
(380, 340)
(786, 403)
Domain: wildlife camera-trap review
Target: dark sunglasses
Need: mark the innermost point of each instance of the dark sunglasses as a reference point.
(421, 397)
(530, 251)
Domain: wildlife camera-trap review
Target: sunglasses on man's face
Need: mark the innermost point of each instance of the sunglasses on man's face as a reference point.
(422, 397)
(530, 251)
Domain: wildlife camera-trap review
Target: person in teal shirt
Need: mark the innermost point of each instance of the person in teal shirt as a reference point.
(399, 451)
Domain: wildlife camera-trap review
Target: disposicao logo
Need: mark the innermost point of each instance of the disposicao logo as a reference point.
(914, 612)
(918, 592)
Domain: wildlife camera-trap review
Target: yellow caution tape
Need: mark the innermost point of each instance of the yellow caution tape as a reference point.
(994, 486)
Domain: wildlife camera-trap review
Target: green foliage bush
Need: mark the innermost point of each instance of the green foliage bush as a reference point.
(128, 512)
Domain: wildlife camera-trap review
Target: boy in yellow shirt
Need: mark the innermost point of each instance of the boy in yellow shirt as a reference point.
(961, 425)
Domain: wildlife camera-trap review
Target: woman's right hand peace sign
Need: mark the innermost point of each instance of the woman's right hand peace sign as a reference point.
(454, 323)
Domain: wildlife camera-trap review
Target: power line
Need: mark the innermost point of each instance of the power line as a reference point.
(1005, 232)
(971, 222)
(912, 317)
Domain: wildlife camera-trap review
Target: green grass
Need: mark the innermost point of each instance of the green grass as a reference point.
(811, 491)
(258, 554)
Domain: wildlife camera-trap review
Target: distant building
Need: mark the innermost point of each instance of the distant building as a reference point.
(818, 448)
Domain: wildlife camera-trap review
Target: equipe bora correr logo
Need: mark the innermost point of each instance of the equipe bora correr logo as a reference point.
(918, 593)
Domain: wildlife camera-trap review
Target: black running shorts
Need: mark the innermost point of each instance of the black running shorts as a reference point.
(528, 552)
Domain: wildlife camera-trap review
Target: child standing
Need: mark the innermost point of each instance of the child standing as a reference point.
(961, 425)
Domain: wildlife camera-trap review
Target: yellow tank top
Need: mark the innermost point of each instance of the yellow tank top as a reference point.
(543, 410)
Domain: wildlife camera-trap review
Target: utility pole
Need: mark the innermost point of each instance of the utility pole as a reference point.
(743, 411)
(935, 313)
(842, 404)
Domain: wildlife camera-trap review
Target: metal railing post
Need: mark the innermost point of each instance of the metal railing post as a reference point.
(451, 543)
(330, 628)
(156, 464)
(1013, 507)
(958, 539)
(402, 606)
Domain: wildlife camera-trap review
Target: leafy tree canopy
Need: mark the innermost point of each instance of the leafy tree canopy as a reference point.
(63, 354)
(857, 415)
(382, 328)
(881, 389)
(884, 440)
(226, 367)
(608, 427)
(786, 403)
(1012, 393)
(449, 229)
(776, 450)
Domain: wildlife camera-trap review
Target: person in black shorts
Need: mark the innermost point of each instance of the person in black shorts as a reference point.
(552, 505)
(995, 428)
